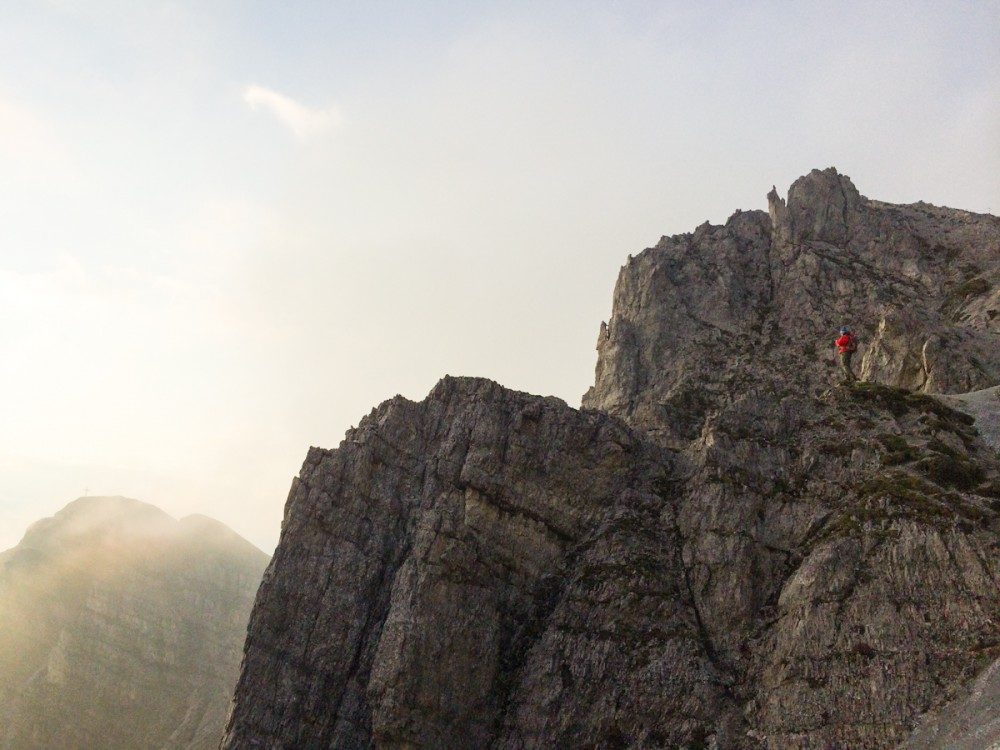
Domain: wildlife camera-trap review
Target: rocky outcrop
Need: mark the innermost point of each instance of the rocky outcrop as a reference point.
(121, 628)
(483, 567)
(764, 295)
(719, 347)
(726, 548)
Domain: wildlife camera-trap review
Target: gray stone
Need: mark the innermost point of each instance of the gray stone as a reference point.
(726, 548)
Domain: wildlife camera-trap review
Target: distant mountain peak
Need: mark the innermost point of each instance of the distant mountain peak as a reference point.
(121, 627)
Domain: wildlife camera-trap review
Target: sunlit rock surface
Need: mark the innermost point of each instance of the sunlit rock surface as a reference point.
(121, 627)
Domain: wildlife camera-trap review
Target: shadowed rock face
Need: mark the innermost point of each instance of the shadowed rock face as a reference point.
(726, 548)
(121, 627)
(484, 567)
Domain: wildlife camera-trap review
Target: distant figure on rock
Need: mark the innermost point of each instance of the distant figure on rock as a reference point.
(846, 345)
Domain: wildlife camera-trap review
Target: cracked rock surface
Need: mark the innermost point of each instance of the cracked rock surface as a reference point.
(726, 548)
(482, 568)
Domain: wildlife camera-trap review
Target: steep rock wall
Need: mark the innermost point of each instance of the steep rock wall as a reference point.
(483, 568)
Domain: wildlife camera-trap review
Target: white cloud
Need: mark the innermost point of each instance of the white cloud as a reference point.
(303, 121)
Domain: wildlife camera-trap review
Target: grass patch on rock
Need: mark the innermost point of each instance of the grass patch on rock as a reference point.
(972, 288)
(900, 403)
(897, 450)
(951, 471)
(898, 496)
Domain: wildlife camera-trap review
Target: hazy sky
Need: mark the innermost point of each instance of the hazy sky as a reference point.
(229, 229)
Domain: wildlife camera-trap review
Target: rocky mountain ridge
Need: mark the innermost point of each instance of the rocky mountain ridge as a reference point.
(120, 627)
(725, 548)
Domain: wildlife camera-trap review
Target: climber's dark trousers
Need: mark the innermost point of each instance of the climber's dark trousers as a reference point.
(845, 365)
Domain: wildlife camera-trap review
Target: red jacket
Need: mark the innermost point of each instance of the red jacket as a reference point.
(846, 343)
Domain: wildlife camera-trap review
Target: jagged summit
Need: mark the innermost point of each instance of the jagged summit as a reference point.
(726, 548)
(822, 206)
(760, 298)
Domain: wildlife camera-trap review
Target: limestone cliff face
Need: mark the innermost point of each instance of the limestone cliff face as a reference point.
(805, 535)
(726, 548)
(121, 628)
(482, 568)
(765, 294)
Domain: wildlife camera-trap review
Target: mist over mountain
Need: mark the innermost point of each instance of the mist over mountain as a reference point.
(728, 546)
(121, 627)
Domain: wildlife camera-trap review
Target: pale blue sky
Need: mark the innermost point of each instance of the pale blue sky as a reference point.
(231, 228)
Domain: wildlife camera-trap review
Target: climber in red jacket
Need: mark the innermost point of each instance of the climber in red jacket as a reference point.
(846, 345)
